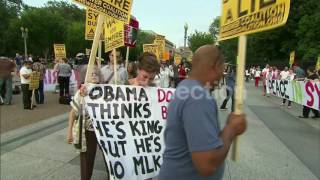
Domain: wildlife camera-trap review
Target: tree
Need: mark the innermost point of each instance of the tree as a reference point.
(214, 28)
(143, 38)
(199, 39)
(74, 39)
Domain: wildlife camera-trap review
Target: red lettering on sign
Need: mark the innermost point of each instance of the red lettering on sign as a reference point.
(164, 110)
(310, 89)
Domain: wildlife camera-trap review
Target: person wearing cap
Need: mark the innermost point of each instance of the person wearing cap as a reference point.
(25, 76)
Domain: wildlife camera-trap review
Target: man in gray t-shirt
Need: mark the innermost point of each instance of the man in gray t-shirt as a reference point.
(195, 145)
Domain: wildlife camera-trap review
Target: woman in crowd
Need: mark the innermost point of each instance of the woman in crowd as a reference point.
(148, 68)
(64, 71)
(89, 141)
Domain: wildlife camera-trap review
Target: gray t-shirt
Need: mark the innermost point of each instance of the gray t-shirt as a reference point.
(64, 70)
(192, 126)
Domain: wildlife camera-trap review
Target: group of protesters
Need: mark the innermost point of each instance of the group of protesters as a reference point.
(289, 74)
(207, 68)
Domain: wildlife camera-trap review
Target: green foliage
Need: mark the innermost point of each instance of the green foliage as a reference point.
(143, 38)
(199, 39)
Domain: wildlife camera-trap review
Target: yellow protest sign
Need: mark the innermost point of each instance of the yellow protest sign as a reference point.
(59, 51)
(152, 48)
(118, 9)
(34, 80)
(91, 24)
(240, 17)
(161, 42)
(177, 59)
(292, 57)
(318, 64)
(114, 34)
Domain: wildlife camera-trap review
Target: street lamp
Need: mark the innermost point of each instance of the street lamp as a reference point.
(185, 35)
(24, 33)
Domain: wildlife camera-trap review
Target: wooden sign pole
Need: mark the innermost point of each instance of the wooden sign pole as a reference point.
(115, 64)
(99, 54)
(32, 99)
(93, 53)
(242, 48)
(127, 57)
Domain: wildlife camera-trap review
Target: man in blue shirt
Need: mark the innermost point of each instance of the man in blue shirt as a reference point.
(195, 145)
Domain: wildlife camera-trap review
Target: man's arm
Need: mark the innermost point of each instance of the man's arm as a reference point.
(207, 162)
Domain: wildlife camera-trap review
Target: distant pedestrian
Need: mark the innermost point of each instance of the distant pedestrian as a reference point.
(257, 76)
(64, 72)
(41, 68)
(25, 76)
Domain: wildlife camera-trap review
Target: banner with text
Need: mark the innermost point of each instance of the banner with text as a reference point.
(119, 10)
(114, 34)
(59, 51)
(152, 48)
(240, 17)
(50, 81)
(305, 93)
(129, 123)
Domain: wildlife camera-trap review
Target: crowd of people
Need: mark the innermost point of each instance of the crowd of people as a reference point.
(288, 74)
(207, 70)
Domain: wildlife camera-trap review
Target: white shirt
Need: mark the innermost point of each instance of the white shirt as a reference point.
(290, 77)
(165, 74)
(257, 73)
(25, 71)
(284, 75)
(107, 72)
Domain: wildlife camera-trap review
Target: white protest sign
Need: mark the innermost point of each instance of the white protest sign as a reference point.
(129, 123)
(304, 93)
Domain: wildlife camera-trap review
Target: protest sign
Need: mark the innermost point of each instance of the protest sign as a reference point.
(91, 24)
(152, 48)
(177, 59)
(112, 8)
(131, 33)
(114, 34)
(59, 51)
(34, 80)
(304, 93)
(241, 17)
(161, 42)
(129, 123)
(292, 57)
(50, 81)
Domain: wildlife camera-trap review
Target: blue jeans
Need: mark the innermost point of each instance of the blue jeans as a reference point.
(6, 85)
(39, 95)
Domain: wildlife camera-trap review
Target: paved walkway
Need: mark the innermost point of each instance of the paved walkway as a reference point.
(264, 154)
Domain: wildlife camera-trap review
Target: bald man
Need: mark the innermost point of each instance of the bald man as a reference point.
(196, 147)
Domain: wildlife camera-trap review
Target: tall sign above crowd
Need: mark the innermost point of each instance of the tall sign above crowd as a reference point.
(120, 10)
(241, 17)
(59, 51)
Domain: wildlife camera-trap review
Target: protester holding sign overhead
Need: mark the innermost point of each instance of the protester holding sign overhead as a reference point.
(196, 147)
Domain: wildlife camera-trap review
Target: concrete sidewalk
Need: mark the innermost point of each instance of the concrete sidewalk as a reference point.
(263, 155)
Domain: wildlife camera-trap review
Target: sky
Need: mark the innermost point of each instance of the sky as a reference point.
(168, 17)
